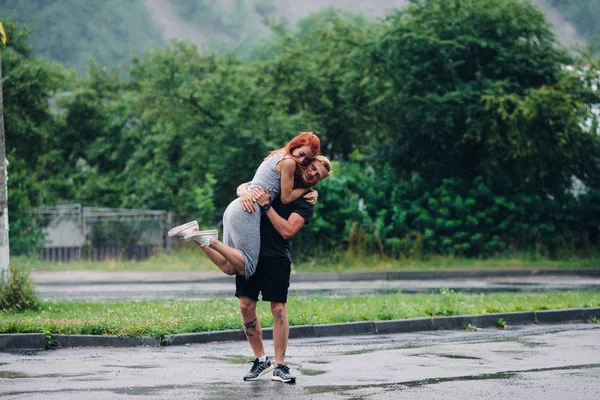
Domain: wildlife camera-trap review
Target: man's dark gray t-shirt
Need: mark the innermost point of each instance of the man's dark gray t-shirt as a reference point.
(272, 244)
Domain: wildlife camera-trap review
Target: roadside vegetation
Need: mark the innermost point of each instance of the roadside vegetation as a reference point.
(161, 317)
(16, 291)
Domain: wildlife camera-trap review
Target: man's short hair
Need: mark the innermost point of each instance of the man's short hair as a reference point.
(326, 163)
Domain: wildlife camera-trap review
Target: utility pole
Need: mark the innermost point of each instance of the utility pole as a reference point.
(4, 249)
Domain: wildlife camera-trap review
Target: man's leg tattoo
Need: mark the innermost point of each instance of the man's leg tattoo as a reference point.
(250, 326)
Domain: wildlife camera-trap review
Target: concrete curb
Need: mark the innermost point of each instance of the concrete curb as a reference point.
(64, 341)
(458, 322)
(22, 341)
(363, 276)
(37, 341)
(204, 337)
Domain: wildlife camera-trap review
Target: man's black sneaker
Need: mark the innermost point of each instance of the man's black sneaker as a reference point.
(281, 373)
(258, 369)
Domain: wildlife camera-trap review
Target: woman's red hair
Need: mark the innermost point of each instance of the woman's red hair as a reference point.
(303, 139)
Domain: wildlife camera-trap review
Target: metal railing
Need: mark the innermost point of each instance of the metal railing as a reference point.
(75, 233)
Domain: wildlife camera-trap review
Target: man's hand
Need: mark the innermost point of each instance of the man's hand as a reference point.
(246, 201)
(311, 197)
(261, 196)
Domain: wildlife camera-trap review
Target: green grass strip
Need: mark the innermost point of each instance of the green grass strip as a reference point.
(192, 259)
(160, 317)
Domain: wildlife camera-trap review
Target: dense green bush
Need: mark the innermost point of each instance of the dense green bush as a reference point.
(17, 292)
(362, 208)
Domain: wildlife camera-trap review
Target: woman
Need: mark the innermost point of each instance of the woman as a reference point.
(241, 230)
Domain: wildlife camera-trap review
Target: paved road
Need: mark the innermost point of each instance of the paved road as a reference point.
(534, 362)
(116, 286)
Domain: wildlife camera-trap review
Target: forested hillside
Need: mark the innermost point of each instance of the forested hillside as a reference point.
(73, 31)
(110, 31)
(584, 14)
(454, 127)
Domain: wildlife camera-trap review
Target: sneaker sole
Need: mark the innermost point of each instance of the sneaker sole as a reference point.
(211, 234)
(278, 379)
(266, 371)
(177, 229)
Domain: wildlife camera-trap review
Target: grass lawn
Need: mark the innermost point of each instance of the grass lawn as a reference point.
(160, 317)
(190, 258)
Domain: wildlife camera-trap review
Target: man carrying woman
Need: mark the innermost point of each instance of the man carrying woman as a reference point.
(258, 251)
(280, 222)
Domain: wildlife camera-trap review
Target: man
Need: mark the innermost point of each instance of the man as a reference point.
(279, 224)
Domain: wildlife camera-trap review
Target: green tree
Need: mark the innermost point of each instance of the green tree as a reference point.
(179, 127)
(28, 83)
(478, 88)
(320, 70)
(91, 147)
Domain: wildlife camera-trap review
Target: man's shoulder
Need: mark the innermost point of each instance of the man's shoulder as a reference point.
(300, 203)
(302, 207)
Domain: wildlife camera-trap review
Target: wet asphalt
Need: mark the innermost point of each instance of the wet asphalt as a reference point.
(145, 286)
(527, 362)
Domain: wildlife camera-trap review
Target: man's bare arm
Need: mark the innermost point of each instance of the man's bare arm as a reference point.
(287, 228)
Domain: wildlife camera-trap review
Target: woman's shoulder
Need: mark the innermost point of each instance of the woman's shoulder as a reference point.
(287, 164)
(281, 155)
(278, 157)
(287, 159)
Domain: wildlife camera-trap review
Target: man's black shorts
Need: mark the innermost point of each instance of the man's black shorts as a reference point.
(272, 278)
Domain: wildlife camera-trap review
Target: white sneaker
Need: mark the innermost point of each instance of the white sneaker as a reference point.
(202, 237)
(182, 230)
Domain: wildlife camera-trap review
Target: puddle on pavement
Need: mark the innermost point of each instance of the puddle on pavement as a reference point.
(22, 375)
(395, 386)
(93, 379)
(312, 342)
(131, 366)
(13, 375)
(386, 348)
(531, 343)
(457, 357)
(408, 384)
(136, 391)
(564, 368)
(246, 390)
(237, 359)
(311, 372)
(132, 391)
(356, 352)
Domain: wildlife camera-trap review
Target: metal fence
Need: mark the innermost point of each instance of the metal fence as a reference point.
(74, 233)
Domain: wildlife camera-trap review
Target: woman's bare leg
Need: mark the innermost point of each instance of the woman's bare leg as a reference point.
(219, 260)
(222, 256)
(233, 256)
